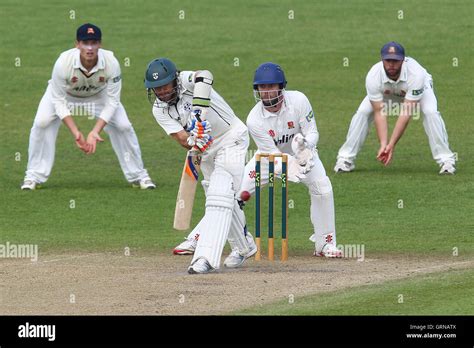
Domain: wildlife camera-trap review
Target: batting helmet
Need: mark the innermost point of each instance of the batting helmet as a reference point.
(269, 73)
(160, 72)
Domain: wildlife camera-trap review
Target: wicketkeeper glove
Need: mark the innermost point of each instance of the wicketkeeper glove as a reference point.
(295, 171)
(303, 155)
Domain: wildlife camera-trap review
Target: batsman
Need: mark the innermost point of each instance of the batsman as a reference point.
(189, 110)
(283, 122)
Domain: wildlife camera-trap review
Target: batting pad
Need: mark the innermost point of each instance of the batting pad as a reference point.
(217, 219)
(237, 238)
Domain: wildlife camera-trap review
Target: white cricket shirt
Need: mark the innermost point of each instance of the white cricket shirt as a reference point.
(71, 78)
(273, 132)
(174, 118)
(410, 85)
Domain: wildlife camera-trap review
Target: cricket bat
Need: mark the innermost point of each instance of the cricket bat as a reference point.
(187, 190)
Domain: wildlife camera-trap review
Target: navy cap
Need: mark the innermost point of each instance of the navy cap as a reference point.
(88, 31)
(392, 50)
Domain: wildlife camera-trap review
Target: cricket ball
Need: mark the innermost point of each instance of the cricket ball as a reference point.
(245, 196)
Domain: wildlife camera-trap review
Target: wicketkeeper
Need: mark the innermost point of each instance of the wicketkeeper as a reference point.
(283, 122)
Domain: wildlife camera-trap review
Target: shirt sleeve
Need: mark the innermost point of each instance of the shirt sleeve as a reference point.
(373, 86)
(262, 139)
(168, 124)
(307, 123)
(416, 87)
(114, 87)
(58, 90)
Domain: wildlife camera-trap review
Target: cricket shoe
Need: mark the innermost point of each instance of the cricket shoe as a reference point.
(447, 168)
(235, 260)
(30, 185)
(200, 266)
(187, 247)
(344, 166)
(328, 250)
(144, 184)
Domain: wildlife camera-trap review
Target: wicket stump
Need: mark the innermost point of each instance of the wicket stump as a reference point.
(284, 204)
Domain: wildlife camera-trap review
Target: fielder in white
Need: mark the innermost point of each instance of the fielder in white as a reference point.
(188, 109)
(401, 81)
(86, 78)
(283, 122)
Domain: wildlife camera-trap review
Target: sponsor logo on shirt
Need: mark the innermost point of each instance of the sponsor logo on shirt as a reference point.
(85, 88)
(286, 138)
(74, 79)
(271, 132)
(102, 79)
(417, 91)
(291, 125)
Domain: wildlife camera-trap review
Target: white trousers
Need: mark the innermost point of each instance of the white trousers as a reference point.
(45, 128)
(226, 154)
(432, 122)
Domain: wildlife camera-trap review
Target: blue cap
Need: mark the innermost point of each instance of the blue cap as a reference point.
(392, 50)
(88, 31)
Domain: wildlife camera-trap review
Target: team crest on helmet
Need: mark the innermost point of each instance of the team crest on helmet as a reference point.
(392, 50)
(90, 31)
(155, 76)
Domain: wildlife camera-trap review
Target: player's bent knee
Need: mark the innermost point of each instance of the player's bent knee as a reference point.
(43, 122)
(320, 186)
(431, 113)
(124, 127)
(221, 191)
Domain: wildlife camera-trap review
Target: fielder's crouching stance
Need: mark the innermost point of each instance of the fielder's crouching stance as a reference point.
(86, 77)
(186, 106)
(283, 122)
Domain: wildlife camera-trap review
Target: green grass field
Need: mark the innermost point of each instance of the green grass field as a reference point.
(109, 215)
(406, 297)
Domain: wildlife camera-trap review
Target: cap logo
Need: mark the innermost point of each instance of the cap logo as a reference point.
(90, 31)
(155, 76)
(392, 50)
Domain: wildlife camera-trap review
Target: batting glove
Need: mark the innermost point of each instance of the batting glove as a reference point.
(203, 143)
(198, 128)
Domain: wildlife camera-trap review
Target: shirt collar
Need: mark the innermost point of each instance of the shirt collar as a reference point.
(78, 65)
(403, 74)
